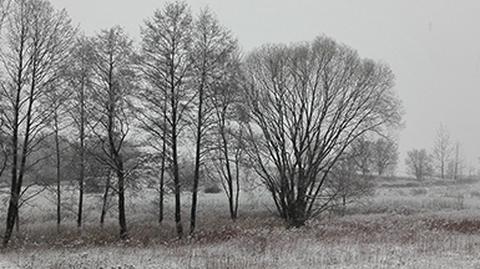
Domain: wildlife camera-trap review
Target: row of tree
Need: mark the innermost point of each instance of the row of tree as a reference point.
(444, 161)
(290, 114)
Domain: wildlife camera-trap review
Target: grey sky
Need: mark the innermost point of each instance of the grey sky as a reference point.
(433, 46)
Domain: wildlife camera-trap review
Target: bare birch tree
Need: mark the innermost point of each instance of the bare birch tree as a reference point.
(228, 156)
(307, 103)
(166, 64)
(38, 40)
(78, 77)
(213, 48)
(114, 85)
(457, 162)
(455, 166)
(56, 100)
(442, 150)
(4, 10)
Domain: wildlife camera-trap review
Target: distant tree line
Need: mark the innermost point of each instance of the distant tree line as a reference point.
(444, 161)
(304, 119)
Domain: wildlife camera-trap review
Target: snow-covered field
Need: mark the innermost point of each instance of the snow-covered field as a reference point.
(407, 224)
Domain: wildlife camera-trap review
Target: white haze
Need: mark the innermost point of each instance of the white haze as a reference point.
(433, 46)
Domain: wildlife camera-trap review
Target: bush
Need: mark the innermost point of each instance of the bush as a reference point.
(94, 185)
(212, 189)
(475, 194)
(418, 191)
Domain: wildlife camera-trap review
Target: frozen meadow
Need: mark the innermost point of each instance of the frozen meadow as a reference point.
(406, 224)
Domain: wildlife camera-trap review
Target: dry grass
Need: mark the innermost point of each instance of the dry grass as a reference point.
(413, 226)
(381, 241)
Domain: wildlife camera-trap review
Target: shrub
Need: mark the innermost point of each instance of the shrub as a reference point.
(418, 191)
(212, 189)
(475, 194)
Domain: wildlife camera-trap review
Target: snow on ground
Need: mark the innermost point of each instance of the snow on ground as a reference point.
(406, 224)
(4, 264)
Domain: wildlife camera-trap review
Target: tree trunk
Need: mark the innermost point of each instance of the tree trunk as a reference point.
(228, 176)
(82, 158)
(442, 170)
(176, 179)
(121, 201)
(297, 206)
(17, 182)
(15, 185)
(162, 179)
(237, 182)
(196, 174)
(164, 155)
(380, 170)
(11, 216)
(232, 207)
(80, 188)
(176, 176)
(456, 164)
(58, 176)
(14, 196)
(105, 201)
(296, 216)
(17, 221)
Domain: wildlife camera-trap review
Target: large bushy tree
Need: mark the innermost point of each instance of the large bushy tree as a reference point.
(307, 103)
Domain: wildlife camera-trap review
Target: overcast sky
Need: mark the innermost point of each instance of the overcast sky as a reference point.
(433, 47)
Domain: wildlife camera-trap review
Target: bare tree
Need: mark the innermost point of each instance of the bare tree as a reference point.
(385, 155)
(361, 154)
(152, 114)
(56, 100)
(78, 77)
(456, 164)
(4, 10)
(347, 181)
(307, 103)
(166, 64)
(419, 163)
(38, 40)
(4, 154)
(442, 150)
(106, 198)
(114, 78)
(213, 48)
(228, 162)
(228, 155)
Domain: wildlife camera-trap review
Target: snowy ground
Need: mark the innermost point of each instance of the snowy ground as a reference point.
(407, 224)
